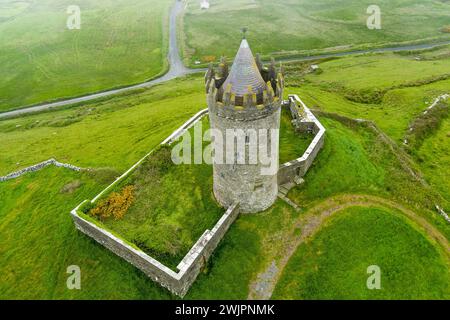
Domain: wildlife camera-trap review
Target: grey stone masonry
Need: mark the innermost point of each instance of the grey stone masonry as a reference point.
(244, 103)
(189, 268)
(304, 121)
(244, 183)
(38, 167)
(443, 213)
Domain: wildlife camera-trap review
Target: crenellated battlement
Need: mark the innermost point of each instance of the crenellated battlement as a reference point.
(229, 102)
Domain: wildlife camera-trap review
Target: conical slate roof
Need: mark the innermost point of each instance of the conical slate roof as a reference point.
(244, 73)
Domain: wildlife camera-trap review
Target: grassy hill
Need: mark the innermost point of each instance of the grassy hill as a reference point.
(38, 239)
(119, 43)
(333, 265)
(291, 27)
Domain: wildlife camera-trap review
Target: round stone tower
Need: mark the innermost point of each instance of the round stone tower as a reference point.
(244, 111)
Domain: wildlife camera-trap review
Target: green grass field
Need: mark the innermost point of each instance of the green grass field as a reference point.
(292, 27)
(38, 239)
(434, 158)
(113, 133)
(400, 98)
(293, 144)
(119, 43)
(333, 265)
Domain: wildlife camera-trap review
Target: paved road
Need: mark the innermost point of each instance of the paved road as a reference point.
(177, 68)
(375, 50)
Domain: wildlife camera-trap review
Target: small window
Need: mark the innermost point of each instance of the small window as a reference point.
(258, 184)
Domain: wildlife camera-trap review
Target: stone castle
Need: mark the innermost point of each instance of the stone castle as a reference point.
(245, 100)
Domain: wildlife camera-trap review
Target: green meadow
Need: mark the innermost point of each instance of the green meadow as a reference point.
(119, 43)
(333, 265)
(381, 95)
(233, 267)
(299, 27)
(38, 239)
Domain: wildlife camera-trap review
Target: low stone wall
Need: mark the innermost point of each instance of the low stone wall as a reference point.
(198, 256)
(189, 268)
(185, 127)
(38, 167)
(191, 265)
(443, 213)
(304, 121)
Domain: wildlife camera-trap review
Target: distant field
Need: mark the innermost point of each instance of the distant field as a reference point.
(120, 42)
(333, 265)
(288, 27)
(390, 89)
(125, 128)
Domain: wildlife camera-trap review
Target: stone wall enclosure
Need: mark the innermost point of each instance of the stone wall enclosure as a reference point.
(304, 121)
(189, 268)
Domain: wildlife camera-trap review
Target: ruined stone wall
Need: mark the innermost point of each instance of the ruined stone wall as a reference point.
(189, 268)
(304, 121)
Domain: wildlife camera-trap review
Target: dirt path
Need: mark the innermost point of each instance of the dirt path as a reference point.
(311, 222)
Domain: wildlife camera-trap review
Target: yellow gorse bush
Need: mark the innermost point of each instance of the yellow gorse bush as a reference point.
(116, 205)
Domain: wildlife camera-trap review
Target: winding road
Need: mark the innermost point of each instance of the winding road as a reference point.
(177, 68)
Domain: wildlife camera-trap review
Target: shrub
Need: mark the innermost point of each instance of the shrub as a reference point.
(116, 205)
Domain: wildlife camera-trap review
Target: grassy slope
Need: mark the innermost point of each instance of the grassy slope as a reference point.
(119, 43)
(293, 145)
(353, 160)
(116, 133)
(434, 157)
(289, 26)
(333, 264)
(38, 243)
(398, 107)
(369, 73)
